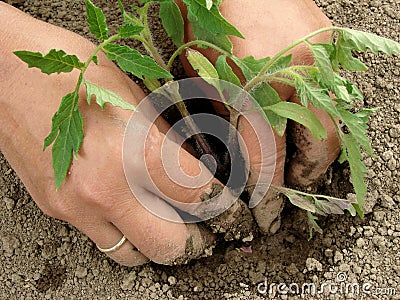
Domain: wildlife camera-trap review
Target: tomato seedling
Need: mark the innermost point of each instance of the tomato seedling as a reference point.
(314, 84)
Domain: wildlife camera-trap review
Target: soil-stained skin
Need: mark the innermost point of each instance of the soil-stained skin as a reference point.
(368, 250)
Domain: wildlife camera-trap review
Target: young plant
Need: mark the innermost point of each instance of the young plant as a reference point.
(314, 84)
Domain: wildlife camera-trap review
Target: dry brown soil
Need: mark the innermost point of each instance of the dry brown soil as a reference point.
(43, 258)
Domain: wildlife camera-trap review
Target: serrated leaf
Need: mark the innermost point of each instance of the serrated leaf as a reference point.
(219, 40)
(130, 60)
(365, 113)
(130, 18)
(300, 115)
(357, 169)
(332, 205)
(56, 61)
(318, 97)
(343, 155)
(225, 71)
(97, 21)
(332, 53)
(129, 30)
(202, 65)
(172, 21)
(345, 56)
(340, 87)
(282, 63)
(121, 6)
(361, 41)
(358, 128)
(250, 66)
(210, 19)
(266, 96)
(210, 25)
(67, 135)
(104, 96)
(95, 59)
(299, 200)
(323, 62)
(313, 225)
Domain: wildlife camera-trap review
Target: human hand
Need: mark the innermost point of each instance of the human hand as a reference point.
(95, 197)
(268, 27)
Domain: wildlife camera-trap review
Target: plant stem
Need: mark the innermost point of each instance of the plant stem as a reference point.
(147, 40)
(194, 43)
(251, 84)
(97, 49)
(314, 196)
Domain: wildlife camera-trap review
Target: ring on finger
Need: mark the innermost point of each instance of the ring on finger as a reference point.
(113, 248)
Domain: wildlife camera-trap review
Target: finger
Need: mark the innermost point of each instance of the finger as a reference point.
(312, 158)
(266, 151)
(162, 241)
(175, 172)
(105, 235)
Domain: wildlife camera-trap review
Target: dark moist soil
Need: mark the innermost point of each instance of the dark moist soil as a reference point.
(43, 258)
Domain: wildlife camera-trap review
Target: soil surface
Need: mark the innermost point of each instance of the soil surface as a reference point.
(43, 258)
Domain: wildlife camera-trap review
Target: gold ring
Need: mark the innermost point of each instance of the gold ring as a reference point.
(113, 248)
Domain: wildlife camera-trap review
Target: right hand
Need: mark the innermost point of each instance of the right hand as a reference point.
(268, 27)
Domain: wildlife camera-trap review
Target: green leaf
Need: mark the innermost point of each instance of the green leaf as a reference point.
(345, 56)
(266, 96)
(97, 21)
(210, 19)
(121, 6)
(365, 113)
(361, 41)
(318, 97)
(357, 169)
(341, 87)
(56, 61)
(202, 65)
(282, 63)
(172, 21)
(301, 115)
(131, 19)
(298, 200)
(331, 205)
(67, 135)
(332, 53)
(219, 40)
(225, 71)
(104, 96)
(130, 60)
(323, 62)
(250, 66)
(313, 225)
(358, 128)
(210, 25)
(129, 30)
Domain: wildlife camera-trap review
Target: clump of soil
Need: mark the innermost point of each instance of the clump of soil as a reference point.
(43, 258)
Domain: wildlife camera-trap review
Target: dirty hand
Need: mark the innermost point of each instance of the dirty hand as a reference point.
(268, 27)
(95, 197)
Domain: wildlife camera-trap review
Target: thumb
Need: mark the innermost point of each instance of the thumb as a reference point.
(266, 152)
